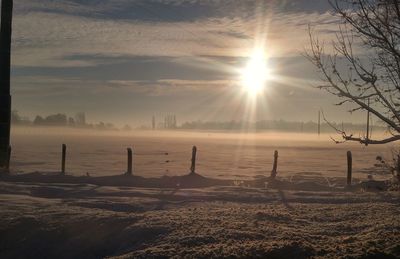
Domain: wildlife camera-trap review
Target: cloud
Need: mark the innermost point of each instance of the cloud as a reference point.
(44, 37)
(173, 87)
(165, 10)
(98, 52)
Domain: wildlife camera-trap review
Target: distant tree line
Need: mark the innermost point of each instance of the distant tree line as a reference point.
(62, 120)
(169, 122)
(279, 125)
(79, 121)
(19, 120)
(51, 120)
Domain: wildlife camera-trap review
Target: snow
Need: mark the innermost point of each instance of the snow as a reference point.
(45, 220)
(159, 153)
(229, 209)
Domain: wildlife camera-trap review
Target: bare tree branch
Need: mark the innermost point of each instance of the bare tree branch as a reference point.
(368, 41)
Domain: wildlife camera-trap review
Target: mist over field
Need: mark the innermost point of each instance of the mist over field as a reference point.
(221, 154)
(94, 211)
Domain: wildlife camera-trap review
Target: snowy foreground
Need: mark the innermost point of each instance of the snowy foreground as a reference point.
(78, 218)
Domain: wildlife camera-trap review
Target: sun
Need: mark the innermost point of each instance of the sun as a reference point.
(256, 73)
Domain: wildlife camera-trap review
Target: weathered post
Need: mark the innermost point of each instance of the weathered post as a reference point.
(5, 65)
(193, 166)
(64, 153)
(129, 170)
(349, 167)
(9, 158)
(319, 122)
(398, 163)
(274, 171)
(398, 167)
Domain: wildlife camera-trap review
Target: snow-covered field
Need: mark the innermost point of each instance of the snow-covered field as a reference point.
(307, 214)
(88, 221)
(220, 155)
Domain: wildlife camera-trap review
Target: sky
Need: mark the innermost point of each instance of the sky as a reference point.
(124, 60)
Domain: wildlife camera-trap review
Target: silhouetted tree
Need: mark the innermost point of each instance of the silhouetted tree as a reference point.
(5, 98)
(127, 128)
(15, 117)
(101, 125)
(51, 120)
(56, 120)
(71, 122)
(370, 81)
(38, 120)
(174, 124)
(80, 119)
(18, 119)
(110, 126)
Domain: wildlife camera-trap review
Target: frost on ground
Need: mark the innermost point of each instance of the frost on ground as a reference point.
(55, 220)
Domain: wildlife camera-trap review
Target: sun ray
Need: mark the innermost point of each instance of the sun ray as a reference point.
(256, 72)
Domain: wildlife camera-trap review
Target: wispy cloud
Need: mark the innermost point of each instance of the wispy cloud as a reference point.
(43, 38)
(129, 48)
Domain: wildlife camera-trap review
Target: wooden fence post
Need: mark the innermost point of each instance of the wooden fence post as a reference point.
(349, 167)
(64, 153)
(398, 167)
(319, 122)
(193, 166)
(274, 171)
(398, 164)
(8, 158)
(129, 171)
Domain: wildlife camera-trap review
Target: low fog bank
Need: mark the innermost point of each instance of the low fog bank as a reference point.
(271, 135)
(221, 154)
(171, 122)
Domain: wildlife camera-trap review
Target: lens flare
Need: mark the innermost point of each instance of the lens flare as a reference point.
(256, 73)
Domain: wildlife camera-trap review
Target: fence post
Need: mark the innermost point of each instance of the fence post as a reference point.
(398, 165)
(8, 158)
(349, 167)
(64, 153)
(274, 171)
(193, 166)
(129, 170)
